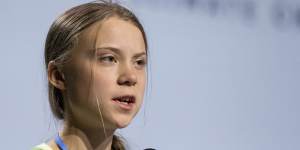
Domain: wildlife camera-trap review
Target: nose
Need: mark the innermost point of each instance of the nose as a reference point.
(127, 76)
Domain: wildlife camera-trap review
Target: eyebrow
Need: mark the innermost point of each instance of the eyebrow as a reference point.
(118, 51)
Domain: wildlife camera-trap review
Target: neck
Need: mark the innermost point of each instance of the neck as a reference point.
(76, 137)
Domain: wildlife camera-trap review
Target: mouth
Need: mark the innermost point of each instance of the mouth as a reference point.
(125, 102)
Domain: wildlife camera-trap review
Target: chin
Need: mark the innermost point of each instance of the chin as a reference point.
(122, 122)
(120, 126)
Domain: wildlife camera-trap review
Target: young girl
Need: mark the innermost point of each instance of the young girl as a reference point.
(95, 55)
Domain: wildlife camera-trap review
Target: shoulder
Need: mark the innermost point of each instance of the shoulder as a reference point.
(46, 146)
(42, 146)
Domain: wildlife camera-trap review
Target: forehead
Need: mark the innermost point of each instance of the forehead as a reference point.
(112, 32)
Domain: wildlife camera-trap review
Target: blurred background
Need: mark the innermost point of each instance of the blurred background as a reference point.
(224, 74)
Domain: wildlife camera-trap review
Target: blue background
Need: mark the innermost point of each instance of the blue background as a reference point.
(224, 74)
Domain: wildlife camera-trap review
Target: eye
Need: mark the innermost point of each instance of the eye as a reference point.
(141, 63)
(108, 59)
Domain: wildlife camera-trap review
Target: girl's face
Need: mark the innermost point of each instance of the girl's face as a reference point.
(115, 73)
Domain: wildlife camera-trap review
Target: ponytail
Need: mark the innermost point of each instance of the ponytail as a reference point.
(117, 143)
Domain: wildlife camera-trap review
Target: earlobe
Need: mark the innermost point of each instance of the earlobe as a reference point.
(55, 77)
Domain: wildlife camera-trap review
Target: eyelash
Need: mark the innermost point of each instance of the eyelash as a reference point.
(141, 62)
(108, 59)
(112, 59)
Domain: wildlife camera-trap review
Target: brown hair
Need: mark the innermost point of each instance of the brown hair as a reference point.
(62, 37)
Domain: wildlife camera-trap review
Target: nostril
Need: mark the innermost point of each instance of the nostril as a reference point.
(127, 79)
(127, 82)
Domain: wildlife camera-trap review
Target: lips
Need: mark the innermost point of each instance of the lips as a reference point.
(125, 101)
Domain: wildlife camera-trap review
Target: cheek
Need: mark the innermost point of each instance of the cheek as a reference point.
(141, 88)
(80, 82)
(79, 87)
(143, 81)
(104, 81)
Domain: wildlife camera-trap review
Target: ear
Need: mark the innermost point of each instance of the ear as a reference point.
(55, 77)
